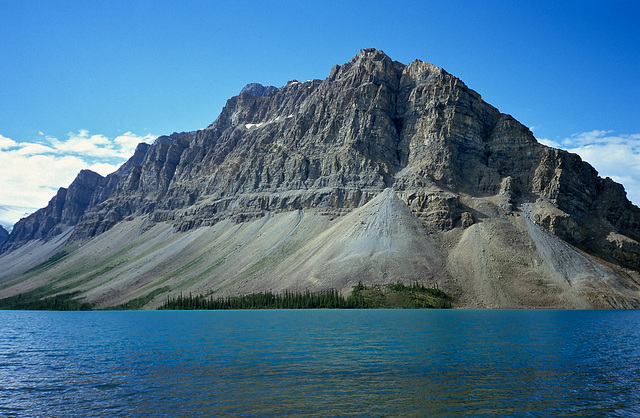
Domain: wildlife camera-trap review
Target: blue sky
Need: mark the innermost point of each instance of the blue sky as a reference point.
(83, 82)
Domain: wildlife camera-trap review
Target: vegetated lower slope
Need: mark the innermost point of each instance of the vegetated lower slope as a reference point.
(383, 172)
(392, 295)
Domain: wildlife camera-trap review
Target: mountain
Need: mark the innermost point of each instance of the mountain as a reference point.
(382, 172)
(10, 214)
(3, 234)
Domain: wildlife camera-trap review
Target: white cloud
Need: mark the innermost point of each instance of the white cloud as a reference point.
(103, 168)
(99, 145)
(34, 149)
(549, 142)
(33, 171)
(615, 156)
(6, 143)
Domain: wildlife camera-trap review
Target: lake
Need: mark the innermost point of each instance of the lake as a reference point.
(320, 363)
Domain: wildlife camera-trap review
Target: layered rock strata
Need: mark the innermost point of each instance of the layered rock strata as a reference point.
(330, 146)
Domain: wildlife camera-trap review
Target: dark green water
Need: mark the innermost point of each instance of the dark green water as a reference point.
(320, 363)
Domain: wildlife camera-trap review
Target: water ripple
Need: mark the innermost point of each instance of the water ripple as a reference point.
(320, 363)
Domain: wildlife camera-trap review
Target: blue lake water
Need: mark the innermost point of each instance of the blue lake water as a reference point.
(320, 363)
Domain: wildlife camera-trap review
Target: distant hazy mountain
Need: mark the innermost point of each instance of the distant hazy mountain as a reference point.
(382, 172)
(9, 215)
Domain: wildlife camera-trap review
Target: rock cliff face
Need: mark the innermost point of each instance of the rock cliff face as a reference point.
(68, 206)
(3, 234)
(329, 147)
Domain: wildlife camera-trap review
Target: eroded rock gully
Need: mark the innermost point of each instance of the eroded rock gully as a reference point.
(329, 147)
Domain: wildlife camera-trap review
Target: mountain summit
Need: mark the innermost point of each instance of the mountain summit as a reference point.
(382, 172)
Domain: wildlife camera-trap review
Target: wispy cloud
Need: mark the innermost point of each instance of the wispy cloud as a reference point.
(32, 171)
(613, 155)
(98, 145)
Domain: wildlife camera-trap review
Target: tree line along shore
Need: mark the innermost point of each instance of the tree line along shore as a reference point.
(392, 295)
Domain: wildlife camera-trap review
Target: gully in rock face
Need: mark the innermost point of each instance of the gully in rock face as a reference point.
(382, 172)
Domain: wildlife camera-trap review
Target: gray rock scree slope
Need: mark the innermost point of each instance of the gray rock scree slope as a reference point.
(381, 172)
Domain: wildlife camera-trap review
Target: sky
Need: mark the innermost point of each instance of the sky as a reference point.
(81, 83)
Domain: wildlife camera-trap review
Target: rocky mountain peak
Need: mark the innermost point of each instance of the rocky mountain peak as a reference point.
(258, 89)
(375, 127)
(138, 156)
(420, 71)
(368, 66)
